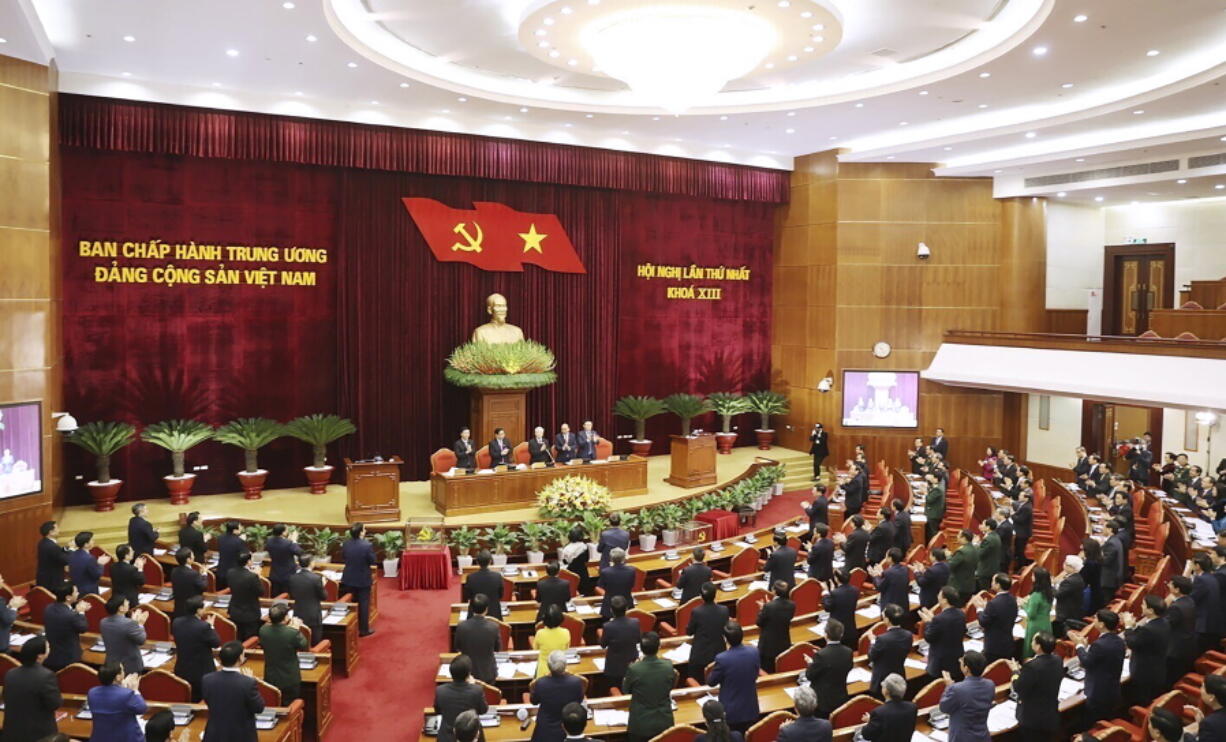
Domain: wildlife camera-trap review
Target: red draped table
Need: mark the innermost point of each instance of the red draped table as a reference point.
(426, 569)
(724, 524)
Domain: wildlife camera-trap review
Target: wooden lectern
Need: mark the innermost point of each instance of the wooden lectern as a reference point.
(693, 459)
(374, 490)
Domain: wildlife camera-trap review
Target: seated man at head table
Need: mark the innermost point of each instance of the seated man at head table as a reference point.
(465, 450)
(566, 444)
(538, 447)
(588, 438)
(500, 449)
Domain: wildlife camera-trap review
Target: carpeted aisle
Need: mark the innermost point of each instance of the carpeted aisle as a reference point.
(383, 700)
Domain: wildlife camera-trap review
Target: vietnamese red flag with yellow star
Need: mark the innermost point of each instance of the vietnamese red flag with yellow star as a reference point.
(494, 237)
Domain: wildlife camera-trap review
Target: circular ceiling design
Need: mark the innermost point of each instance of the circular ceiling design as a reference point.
(589, 55)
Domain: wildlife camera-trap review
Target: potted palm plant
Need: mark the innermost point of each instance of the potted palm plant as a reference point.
(178, 437)
(463, 541)
(103, 440)
(727, 405)
(536, 537)
(251, 434)
(687, 407)
(767, 403)
(501, 540)
(640, 410)
(319, 430)
(390, 544)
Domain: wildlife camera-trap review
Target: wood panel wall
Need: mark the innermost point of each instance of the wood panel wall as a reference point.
(847, 276)
(1067, 321)
(1206, 324)
(29, 290)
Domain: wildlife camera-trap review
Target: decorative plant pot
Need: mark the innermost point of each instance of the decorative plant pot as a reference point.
(593, 553)
(500, 560)
(104, 494)
(759, 503)
(670, 538)
(464, 561)
(765, 438)
(536, 557)
(640, 448)
(253, 483)
(318, 477)
(647, 541)
(724, 442)
(391, 567)
(180, 488)
(778, 488)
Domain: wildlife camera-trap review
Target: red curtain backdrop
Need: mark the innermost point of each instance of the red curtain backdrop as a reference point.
(371, 340)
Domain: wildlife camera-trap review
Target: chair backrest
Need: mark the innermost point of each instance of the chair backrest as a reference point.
(640, 578)
(265, 587)
(675, 572)
(37, 599)
(157, 626)
(684, 611)
(332, 589)
(442, 460)
(749, 604)
(930, 694)
(97, 552)
(744, 562)
(269, 692)
(155, 576)
(604, 448)
(857, 578)
(808, 596)
(504, 633)
(483, 457)
(520, 454)
(795, 657)
(575, 626)
(865, 642)
(96, 612)
(937, 541)
(164, 687)
(998, 672)
(917, 554)
(77, 679)
(1113, 733)
(647, 621)
(851, 713)
(225, 628)
(679, 733)
(7, 662)
(767, 730)
(493, 696)
(572, 578)
(1065, 649)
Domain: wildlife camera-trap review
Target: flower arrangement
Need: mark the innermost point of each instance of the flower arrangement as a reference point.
(522, 365)
(572, 496)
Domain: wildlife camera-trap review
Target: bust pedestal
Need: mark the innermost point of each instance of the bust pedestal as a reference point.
(498, 408)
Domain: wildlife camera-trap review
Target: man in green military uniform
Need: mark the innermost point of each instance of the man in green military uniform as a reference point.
(648, 683)
(989, 554)
(934, 506)
(282, 641)
(963, 565)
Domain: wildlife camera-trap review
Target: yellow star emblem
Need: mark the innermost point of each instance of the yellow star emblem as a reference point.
(532, 239)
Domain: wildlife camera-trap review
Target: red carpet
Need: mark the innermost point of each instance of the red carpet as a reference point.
(396, 672)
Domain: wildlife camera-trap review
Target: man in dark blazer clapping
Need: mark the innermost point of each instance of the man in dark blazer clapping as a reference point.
(827, 672)
(996, 618)
(735, 671)
(245, 593)
(940, 444)
(141, 533)
(186, 581)
(551, 590)
(613, 537)
(229, 544)
(31, 696)
(620, 637)
(552, 693)
(881, 538)
(855, 545)
(191, 537)
(52, 558)
(1103, 662)
(694, 576)
(478, 638)
(588, 438)
(306, 589)
(538, 448)
(233, 699)
(840, 603)
(894, 720)
(84, 569)
(123, 635)
(616, 579)
(283, 551)
(890, 649)
(565, 444)
(487, 582)
(1150, 641)
(781, 564)
(944, 630)
(893, 580)
(195, 640)
(706, 629)
(775, 625)
(821, 554)
(501, 453)
(1037, 686)
(359, 556)
(64, 621)
(934, 578)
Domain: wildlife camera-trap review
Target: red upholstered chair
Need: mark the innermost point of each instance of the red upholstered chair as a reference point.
(483, 457)
(604, 448)
(767, 730)
(679, 733)
(683, 618)
(157, 626)
(442, 460)
(865, 643)
(225, 628)
(37, 600)
(164, 687)
(674, 574)
(520, 454)
(572, 578)
(155, 576)
(930, 695)
(1149, 335)
(7, 662)
(998, 672)
(857, 578)
(749, 604)
(504, 632)
(1186, 336)
(332, 589)
(1112, 733)
(647, 621)
(744, 562)
(852, 713)
(98, 551)
(795, 657)
(77, 679)
(1191, 305)
(265, 587)
(96, 612)
(269, 692)
(808, 596)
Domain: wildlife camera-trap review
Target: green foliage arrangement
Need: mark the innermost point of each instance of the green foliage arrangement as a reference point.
(257, 535)
(501, 539)
(728, 405)
(389, 543)
(250, 434)
(318, 431)
(521, 365)
(593, 523)
(537, 536)
(687, 407)
(103, 439)
(463, 539)
(322, 542)
(640, 409)
(670, 516)
(767, 403)
(178, 437)
(572, 496)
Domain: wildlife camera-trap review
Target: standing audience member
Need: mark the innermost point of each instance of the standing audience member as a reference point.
(478, 638)
(616, 579)
(31, 696)
(115, 707)
(893, 580)
(1023, 525)
(620, 637)
(1212, 726)
(1181, 617)
(186, 581)
(551, 590)
(944, 631)
(460, 695)
(195, 640)
(1070, 596)
(894, 720)
(1114, 561)
(881, 538)
(229, 546)
(934, 578)
(246, 589)
(127, 573)
(141, 533)
(63, 621)
(1165, 726)
(1037, 608)
(821, 554)
(819, 509)
(694, 576)
(996, 618)
(1037, 685)
(52, 558)
(551, 693)
(963, 566)
(282, 640)
(487, 583)
(191, 537)
(735, 671)
(1092, 574)
(550, 638)
(968, 701)
(934, 506)
(306, 589)
(1206, 594)
(706, 629)
(855, 545)
(123, 635)
(1150, 642)
(359, 556)
(775, 626)
(283, 550)
(781, 564)
(806, 727)
(841, 604)
(902, 526)
(890, 649)
(828, 670)
(648, 683)
(84, 569)
(1103, 662)
(613, 537)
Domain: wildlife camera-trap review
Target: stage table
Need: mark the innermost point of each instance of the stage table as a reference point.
(425, 569)
(499, 491)
(724, 524)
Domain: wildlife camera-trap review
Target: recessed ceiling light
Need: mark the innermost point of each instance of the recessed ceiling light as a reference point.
(541, 32)
(462, 99)
(129, 38)
(446, 110)
(404, 84)
(859, 105)
(547, 21)
(1081, 159)
(949, 149)
(792, 57)
(288, 6)
(523, 110)
(790, 131)
(1222, 139)
(818, 39)
(1039, 51)
(1061, 194)
(833, 138)
(543, 44)
(1181, 181)
(1152, 53)
(3, 40)
(1098, 198)
(923, 92)
(1138, 112)
(983, 105)
(1080, 18)
(998, 171)
(902, 123)
(985, 75)
(312, 37)
(587, 115)
(791, 113)
(890, 157)
(723, 118)
(769, 65)
(231, 52)
(1134, 203)
(1067, 85)
(374, 103)
(807, 14)
(1031, 135)
(555, 54)
(818, 27)
(566, 10)
(126, 74)
(655, 118)
(298, 93)
(808, 48)
(352, 65)
(217, 85)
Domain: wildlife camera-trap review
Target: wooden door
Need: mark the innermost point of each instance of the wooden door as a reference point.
(1137, 280)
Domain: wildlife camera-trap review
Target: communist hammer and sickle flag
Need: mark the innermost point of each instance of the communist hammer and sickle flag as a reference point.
(494, 237)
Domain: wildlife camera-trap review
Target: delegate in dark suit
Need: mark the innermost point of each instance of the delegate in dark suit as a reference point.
(968, 702)
(127, 580)
(821, 559)
(587, 444)
(233, 702)
(114, 710)
(940, 444)
(1023, 524)
(840, 603)
(565, 444)
(827, 675)
(1038, 687)
(192, 538)
(283, 555)
(620, 638)
(141, 535)
(465, 454)
(281, 644)
(31, 698)
(551, 590)
(1005, 531)
(1150, 642)
(123, 638)
(610, 539)
(228, 547)
(887, 655)
(962, 567)
(902, 530)
(944, 634)
(781, 566)
(706, 626)
(819, 449)
(186, 583)
(853, 496)
(84, 571)
(855, 549)
(1181, 617)
(648, 683)
(818, 510)
(892, 721)
(500, 452)
(616, 579)
(489, 583)
(931, 581)
(774, 630)
(692, 579)
(1207, 595)
(894, 586)
(805, 729)
(52, 559)
(477, 637)
(1103, 663)
(880, 540)
(1070, 599)
(1113, 566)
(538, 452)
(63, 626)
(245, 592)
(195, 641)
(359, 556)
(306, 589)
(736, 674)
(551, 694)
(996, 619)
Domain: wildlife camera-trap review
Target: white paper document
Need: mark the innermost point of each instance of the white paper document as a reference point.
(611, 717)
(680, 653)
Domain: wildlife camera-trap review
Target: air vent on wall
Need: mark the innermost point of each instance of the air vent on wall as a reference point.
(1123, 171)
(1207, 160)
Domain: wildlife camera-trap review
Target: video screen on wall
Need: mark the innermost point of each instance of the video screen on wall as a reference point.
(21, 449)
(880, 399)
